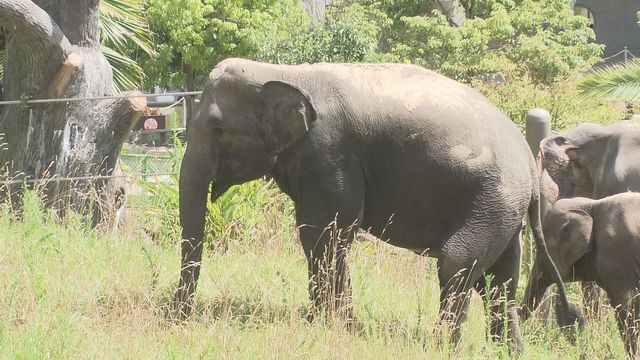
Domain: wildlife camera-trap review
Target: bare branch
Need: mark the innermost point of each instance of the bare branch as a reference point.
(122, 114)
(59, 84)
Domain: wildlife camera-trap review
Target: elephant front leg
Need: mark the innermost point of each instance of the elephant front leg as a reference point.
(182, 304)
(329, 282)
(329, 211)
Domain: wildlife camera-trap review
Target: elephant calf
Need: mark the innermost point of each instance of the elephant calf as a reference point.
(596, 240)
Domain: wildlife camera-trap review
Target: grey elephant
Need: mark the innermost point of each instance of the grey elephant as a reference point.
(417, 159)
(591, 161)
(596, 240)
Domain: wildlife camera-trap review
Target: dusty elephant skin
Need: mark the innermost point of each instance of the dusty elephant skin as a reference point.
(596, 240)
(591, 161)
(419, 160)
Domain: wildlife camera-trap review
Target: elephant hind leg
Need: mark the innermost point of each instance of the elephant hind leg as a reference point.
(455, 292)
(498, 290)
(628, 318)
(591, 298)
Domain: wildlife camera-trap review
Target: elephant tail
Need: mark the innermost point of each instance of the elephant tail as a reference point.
(568, 314)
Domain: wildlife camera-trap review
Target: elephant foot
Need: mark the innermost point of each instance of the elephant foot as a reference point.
(356, 327)
(570, 323)
(343, 317)
(507, 331)
(181, 306)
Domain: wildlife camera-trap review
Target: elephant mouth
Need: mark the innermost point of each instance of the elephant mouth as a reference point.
(217, 190)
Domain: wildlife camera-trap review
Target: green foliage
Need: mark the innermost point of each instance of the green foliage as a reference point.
(350, 34)
(519, 95)
(194, 35)
(539, 39)
(124, 30)
(233, 217)
(200, 33)
(620, 82)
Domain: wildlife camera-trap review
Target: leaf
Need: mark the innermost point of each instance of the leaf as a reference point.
(123, 21)
(620, 82)
(127, 74)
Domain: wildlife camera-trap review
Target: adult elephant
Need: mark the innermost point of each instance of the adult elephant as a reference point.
(591, 161)
(421, 161)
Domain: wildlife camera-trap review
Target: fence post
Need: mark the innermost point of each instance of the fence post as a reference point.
(626, 55)
(537, 127)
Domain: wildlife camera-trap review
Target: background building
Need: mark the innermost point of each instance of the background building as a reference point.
(615, 23)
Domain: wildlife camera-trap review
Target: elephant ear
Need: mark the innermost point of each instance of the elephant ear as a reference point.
(576, 239)
(288, 114)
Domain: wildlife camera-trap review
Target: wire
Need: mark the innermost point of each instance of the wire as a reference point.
(614, 55)
(27, 101)
(619, 53)
(142, 131)
(172, 105)
(95, 177)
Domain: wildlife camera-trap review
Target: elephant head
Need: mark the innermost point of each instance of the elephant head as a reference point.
(570, 162)
(238, 129)
(567, 228)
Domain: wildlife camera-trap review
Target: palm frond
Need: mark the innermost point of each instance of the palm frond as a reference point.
(127, 74)
(620, 82)
(123, 21)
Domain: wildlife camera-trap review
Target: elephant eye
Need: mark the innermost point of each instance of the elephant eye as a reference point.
(218, 130)
(561, 140)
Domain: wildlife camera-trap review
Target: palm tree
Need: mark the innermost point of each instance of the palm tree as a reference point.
(620, 82)
(124, 28)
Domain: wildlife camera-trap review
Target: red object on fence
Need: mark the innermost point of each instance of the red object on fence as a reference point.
(150, 122)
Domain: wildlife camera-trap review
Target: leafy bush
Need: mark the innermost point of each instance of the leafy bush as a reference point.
(235, 216)
(520, 94)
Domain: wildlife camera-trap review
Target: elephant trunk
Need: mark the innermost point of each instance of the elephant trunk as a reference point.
(195, 177)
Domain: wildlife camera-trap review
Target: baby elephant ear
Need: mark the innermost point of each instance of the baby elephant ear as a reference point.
(288, 114)
(577, 239)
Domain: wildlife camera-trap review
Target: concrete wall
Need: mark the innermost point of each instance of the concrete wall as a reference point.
(616, 25)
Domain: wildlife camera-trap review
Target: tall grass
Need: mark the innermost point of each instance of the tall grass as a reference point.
(67, 291)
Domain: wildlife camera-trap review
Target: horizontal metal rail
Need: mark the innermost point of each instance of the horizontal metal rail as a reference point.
(81, 178)
(28, 101)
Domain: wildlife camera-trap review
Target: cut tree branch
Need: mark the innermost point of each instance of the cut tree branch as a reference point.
(59, 84)
(28, 21)
(124, 111)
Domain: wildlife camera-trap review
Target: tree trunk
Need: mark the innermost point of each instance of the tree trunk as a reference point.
(55, 52)
(191, 86)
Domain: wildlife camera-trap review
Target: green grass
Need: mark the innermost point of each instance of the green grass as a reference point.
(70, 292)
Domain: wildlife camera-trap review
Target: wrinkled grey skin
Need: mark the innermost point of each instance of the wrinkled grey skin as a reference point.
(417, 159)
(591, 161)
(596, 240)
